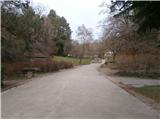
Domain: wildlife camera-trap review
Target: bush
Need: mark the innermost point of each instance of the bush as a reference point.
(43, 66)
(140, 64)
(66, 64)
(50, 65)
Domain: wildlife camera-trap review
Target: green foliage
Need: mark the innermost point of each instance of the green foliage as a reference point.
(144, 13)
(60, 45)
(25, 31)
(150, 91)
(62, 32)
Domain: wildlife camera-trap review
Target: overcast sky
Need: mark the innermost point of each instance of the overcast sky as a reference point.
(77, 12)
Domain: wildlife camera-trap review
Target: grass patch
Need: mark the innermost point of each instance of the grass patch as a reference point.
(75, 61)
(152, 92)
(138, 74)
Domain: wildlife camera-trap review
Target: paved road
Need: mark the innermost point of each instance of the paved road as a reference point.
(81, 92)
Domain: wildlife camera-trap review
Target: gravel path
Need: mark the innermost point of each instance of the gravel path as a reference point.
(81, 92)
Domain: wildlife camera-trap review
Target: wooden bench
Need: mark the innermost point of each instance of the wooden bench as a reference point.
(30, 71)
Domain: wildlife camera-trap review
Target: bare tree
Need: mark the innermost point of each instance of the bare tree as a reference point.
(85, 36)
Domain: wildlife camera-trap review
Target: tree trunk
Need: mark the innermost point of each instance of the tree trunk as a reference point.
(80, 60)
(114, 57)
(148, 67)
